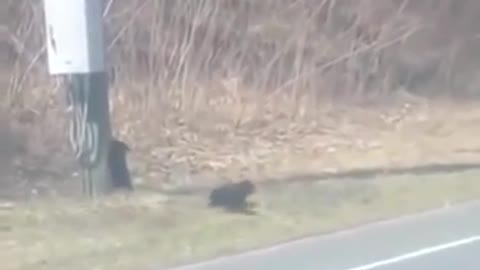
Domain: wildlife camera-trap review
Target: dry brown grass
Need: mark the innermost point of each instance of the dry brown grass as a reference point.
(260, 88)
(218, 90)
(145, 231)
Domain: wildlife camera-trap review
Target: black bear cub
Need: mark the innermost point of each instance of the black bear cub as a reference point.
(117, 162)
(232, 196)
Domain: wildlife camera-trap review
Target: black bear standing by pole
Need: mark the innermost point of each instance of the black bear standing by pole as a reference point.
(117, 162)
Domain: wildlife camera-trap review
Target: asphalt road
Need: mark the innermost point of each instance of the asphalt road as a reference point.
(443, 239)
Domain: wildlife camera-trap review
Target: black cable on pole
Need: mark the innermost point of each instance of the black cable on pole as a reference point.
(83, 134)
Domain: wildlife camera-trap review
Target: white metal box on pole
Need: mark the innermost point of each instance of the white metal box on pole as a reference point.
(75, 38)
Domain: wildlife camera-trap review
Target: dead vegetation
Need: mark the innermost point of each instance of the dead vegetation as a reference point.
(206, 90)
(239, 88)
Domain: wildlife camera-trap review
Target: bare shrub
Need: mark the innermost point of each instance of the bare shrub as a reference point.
(208, 70)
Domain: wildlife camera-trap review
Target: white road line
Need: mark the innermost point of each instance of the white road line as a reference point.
(418, 253)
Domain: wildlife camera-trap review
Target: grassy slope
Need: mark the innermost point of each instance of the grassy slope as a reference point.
(145, 230)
